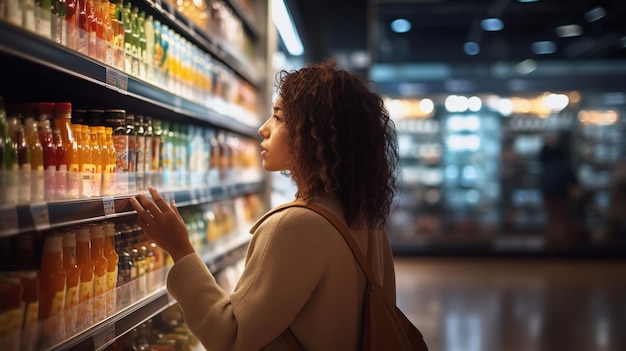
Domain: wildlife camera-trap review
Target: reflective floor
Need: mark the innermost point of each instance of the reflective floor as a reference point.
(495, 304)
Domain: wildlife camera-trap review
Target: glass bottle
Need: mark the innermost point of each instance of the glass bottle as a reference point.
(149, 35)
(112, 266)
(72, 281)
(52, 278)
(156, 159)
(127, 271)
(35, 151)
(139, 260)
(86, 266)
(96, 158)
(71, 24)
(100, 272)
(71, 161)
(49, 159)
(141, 45)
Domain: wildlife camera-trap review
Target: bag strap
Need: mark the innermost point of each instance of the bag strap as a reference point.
(343, 230)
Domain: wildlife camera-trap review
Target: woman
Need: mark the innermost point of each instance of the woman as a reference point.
(335, 138)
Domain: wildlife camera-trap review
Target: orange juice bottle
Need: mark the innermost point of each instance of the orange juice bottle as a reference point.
(86, 266)
(112, 261)
(72, 282)
(100, 272)
(71, 161)
(96, 157)
(52, 278)
(35, 151)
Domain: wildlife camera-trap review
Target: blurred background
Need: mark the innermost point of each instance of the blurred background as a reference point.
(510, 115)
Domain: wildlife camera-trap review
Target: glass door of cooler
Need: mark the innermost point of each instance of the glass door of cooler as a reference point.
(471, 182)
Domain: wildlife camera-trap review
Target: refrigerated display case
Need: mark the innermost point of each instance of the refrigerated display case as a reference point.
(207, 95)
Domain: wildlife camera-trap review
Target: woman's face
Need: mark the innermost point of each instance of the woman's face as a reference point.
(275, 150)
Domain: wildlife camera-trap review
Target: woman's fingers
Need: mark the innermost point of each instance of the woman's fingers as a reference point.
(144, 217)
(159, 200)
(173, 206)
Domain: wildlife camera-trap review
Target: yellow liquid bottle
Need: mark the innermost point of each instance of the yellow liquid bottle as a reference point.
(36, 157)
(52, 279)
(71, 163)
(100, 272)
(86, 266)
(96, 157)
(72, 282)
(112, 269)
(112, 163)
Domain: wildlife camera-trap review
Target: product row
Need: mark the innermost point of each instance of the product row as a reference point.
(122, 36)
(51, 152)
(58, 284)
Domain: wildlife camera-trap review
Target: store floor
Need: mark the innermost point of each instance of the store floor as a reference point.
(499, 304)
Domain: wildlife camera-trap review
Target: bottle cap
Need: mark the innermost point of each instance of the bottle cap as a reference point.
(63, 109)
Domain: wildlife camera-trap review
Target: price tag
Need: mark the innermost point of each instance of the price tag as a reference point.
(111, 77)
(40, 214)
(122, 81)
(109, 206)
(8, 220)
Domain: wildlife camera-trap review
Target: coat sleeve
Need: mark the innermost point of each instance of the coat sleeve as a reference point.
(286, 260)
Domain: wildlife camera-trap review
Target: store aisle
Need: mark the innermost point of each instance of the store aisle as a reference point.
(496, 304)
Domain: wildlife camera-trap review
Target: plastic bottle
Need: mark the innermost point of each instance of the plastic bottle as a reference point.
(52, 278)
(88, 164)
(112, 266)
(97, 152)
(106, 186)
(100, 272)
(142, 45)
(60, 178)
(116, 120)
(49, 159)
(71, 162)
(108, 33)
(128, 38)
(72, 281)
(82, 158)
(86, 266)
(92, 23)
(82, 23)
(149, 33)
(35, 150)
(148, 152)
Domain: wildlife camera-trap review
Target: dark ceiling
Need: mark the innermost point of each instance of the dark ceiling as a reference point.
(440, 28)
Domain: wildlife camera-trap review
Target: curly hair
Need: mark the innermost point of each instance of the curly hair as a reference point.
(342, 138)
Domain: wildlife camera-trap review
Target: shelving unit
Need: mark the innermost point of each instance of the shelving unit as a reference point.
(40, 69)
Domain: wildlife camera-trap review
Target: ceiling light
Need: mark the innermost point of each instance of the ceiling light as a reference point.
(595, 14)
(400, 25)
(543, 47)
(569, 30)
(471, 48)
(286, 28)
(492, 24)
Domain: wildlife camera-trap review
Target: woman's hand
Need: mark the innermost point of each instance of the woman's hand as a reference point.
(163, 223)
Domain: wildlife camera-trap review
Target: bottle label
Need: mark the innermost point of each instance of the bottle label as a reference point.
(111, 293)
(84, 313)
(71, 309)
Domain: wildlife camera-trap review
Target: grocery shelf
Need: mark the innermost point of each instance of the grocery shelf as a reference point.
(26, 48)
(16, 219)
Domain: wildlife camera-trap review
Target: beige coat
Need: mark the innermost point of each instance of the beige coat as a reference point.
(299, 273)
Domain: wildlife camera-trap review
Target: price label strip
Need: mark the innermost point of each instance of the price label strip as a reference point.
(40, 214)
(109, 206)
